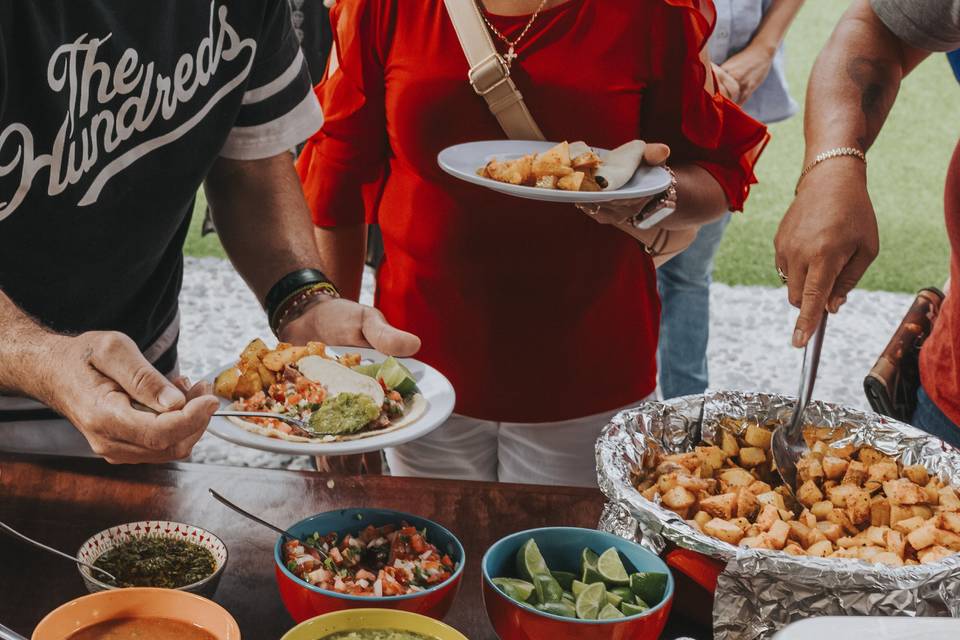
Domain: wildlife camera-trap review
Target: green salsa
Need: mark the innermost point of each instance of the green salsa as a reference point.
(344, 413)
(156, 562)
(377, 634)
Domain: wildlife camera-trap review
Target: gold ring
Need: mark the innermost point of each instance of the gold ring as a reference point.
(783, 276)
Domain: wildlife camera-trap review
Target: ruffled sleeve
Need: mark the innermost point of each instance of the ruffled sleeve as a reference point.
(683, 110)
(342, 165)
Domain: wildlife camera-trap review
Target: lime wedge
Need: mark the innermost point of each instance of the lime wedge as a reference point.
(649, 586)
(530, 562)
(623, 592)
(565, 578)
(515, 589)
(577, 587)
(588, 558)
(591, 575)
(609, 612)
(591, 600)
(568, 597)
(547, 588)
(637, 600)
(611, 568)
(397, 377)
(614, 598)
(562, 608)
(630, 609)
(370, 370)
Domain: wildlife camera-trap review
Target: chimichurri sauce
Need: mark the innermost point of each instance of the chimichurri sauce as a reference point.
(156, 562)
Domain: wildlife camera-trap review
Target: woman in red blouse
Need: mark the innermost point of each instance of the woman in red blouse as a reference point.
(535, 312)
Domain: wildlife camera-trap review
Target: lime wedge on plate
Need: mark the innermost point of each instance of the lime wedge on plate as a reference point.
(649, 586)
(530, 562)
(610, 567)
(515, 589)
(609, 612)
(397, 377)
(591, 600)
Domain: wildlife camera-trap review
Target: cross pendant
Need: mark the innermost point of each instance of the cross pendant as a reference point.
(509, 56)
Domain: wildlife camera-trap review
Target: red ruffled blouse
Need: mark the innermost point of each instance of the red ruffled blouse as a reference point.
(535, 312)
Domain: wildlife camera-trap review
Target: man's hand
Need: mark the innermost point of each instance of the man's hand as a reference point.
(93, 380)
(826, 241)
(748, 68)
(348, 323)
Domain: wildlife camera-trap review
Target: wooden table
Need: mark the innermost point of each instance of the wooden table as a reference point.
(63, 502)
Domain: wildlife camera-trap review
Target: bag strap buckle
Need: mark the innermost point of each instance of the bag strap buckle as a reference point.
(488, 74)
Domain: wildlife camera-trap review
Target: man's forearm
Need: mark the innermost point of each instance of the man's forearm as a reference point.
(262, 219)
(775, 24)
(854, 82)
(25, 343)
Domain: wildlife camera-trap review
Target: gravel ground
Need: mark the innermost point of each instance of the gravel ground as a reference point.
(749, 346)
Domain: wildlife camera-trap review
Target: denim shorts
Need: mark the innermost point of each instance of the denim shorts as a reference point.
(931, 419)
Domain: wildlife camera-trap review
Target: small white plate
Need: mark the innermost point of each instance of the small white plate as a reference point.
(434, 387)
(463, 160)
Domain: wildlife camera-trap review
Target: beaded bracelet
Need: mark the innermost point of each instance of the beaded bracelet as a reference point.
(299, 285)
(293, 305)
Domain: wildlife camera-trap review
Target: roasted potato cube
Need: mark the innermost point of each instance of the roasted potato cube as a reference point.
(933, 554)
(317, 349)
(807, 518)
(845, 451)
(820, 549)
(922, 510)
(840, 517)
(830, 530)
(896, 543)
(869, 455)
(571, 182)
(948, 499)
(922, 537)
(712, 456)
(255, 349)
(678, 498)
(723, 530)
(752, 457)
(884, 470)
(916, 473)
(821, 509)
(742, 523)
(768, 515)
(759, 486)
(736, 478)
(818, 449)
(856, 473)
(809, 493)
(809, 468)
(557, 154)
(747, 504)
(688, 460)
(586, 160)
(887, 557)
(898, 513)
(729, 444)
(650, 493)
(838, 494)
(946, 539)
(757, 436)
(800, 533)
(667, 481)
(546, 182)
(903, 492)
(834, 467)
(879, 511)
(950, 520)
(876, 535)
(701, 518)
(226, 383)
(908, 525)
(847, 542)
(778, 534)
(858, 506)
(773, 498)
(869, 553)
(721, 506)
(794, 549)
(248, 384)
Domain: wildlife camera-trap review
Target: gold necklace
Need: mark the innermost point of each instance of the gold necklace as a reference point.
(511, 53)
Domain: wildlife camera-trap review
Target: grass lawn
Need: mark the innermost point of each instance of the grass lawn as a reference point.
(907, 170)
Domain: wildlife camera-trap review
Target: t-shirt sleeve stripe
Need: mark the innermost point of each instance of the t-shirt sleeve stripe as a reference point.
(278, 84)
(274, 137)
(285, 99)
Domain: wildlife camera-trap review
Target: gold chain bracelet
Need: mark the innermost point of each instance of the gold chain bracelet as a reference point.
(837, 152)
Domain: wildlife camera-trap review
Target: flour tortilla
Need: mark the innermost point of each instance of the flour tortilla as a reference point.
(620, 164)
(415, 408)
(337, 379)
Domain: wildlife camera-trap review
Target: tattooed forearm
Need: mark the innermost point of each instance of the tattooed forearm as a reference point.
(877, 81)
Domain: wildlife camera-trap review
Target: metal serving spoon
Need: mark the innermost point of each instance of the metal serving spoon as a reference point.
(17, 534)
(9, 634)
(302, 426)
(787, 444)
(250, 516)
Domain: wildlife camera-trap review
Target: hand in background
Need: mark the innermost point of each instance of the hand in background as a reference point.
(748, 68)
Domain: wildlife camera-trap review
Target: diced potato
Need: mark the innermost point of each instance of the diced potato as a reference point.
(702, 517)
(752, 457)
(885, 470)
(947, 539)
(794, 550)
(752, 531)
(903, 492)
(807, 518)
(898, 513)
(742, 523)
(858, 506)
(772, 497)
(922, 537)
(757, 436)
(879, 511)
(747, 504)
(571, 182)
(778, 534)
(695, 525)
(256, 348)
(877, 535)
(856, 473)
(247, 384)
(838, 494)
(267, 377)
(922, 510)
(723, 530)
(869, 455)
(950, 520)
(948, 499)
(678, 498)
(226, 383)
(768, 515)
(916, 473)
(729, 445)
(821, 510)
(872, 486)
(933, 554)
(846, 542)
(721, 506)
(586, 160)
(908, 525)
(759, 486)
(650, 493)
(736, 477)
(688, 460)
(840, 517)
(896, 543)
(821, 549)
(667, 482)
(316, 349)
(713, 456)
(809, 493)
(834, 467)
(868, 553)
(845, 452)
(818, 449)
(693, 484)
(809, 468)
(830, 530)
(887, 557)
(546, 182)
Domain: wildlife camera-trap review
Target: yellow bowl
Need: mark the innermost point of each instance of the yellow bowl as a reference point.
(137, 602)
(355, 619)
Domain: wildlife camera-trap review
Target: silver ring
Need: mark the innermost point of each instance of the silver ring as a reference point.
(783, 276)
(591, 208)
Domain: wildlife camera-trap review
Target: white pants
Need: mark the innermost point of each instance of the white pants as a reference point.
(464, 448)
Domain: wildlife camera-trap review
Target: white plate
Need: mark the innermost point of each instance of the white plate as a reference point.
(463, 160)
(434, 387)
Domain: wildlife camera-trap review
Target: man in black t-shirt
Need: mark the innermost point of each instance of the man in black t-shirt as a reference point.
(112, 115)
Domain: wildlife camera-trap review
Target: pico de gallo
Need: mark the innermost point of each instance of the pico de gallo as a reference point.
(379, 561)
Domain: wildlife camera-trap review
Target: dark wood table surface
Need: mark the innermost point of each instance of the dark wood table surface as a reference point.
(64, 501)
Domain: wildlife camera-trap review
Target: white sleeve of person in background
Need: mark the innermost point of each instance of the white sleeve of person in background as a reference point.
(279, 109)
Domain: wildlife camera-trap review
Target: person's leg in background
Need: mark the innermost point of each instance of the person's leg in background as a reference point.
(684, 284)
(461, 449)
(928, 417)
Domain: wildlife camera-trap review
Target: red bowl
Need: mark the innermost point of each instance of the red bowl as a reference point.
(561, 547)
(304, 601)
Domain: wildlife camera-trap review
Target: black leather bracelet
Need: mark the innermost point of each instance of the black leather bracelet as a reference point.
(290, 284)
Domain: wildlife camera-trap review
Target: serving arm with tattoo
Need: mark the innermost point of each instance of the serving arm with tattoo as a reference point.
(828, 237)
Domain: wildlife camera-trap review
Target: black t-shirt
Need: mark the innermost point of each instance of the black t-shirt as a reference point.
(111, 114)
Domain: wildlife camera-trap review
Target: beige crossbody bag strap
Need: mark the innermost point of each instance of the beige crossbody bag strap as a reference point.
(490, 78)
(489, 75)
